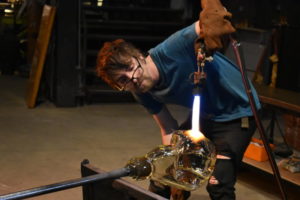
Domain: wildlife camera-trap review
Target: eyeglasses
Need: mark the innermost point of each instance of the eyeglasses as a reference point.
(124, 81)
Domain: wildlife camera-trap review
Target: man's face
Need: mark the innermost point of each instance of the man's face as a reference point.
(137, 78)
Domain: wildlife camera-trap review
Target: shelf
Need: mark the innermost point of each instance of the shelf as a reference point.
(281, 98)
(265, 166)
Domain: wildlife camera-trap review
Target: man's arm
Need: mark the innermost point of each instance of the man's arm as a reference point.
(167, 124)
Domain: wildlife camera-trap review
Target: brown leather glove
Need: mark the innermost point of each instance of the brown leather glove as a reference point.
(214, 24)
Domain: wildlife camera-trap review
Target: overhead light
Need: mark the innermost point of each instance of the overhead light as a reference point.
(100, 3)
(8, 11)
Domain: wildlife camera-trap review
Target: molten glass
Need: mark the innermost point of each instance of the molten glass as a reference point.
(184, 164)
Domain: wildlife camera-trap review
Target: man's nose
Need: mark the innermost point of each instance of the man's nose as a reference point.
(129, 75)
(134, 80)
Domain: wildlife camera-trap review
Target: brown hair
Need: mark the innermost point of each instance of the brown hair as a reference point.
(114, 56)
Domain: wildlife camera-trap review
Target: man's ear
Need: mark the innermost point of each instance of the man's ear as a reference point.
(142, 55)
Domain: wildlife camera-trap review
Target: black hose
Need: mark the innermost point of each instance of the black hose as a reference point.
(125, 171)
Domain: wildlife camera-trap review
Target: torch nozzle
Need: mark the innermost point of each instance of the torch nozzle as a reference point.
(200, 76)
(199, 81)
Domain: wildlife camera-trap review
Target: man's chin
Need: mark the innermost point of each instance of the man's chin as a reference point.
(141, 89)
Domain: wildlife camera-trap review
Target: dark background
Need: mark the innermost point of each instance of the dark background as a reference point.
(81, 27)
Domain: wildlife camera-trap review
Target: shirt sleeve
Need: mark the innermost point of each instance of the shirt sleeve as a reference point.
(145, 99)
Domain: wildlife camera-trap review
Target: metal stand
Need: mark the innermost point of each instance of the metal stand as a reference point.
(274, 166)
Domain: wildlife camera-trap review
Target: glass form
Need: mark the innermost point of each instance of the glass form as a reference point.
(183, 164)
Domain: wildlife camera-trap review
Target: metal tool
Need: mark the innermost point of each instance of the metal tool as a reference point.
(259, 125)
(65, 185)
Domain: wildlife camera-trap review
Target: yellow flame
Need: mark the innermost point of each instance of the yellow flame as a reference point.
(195, 133)
(195, 136)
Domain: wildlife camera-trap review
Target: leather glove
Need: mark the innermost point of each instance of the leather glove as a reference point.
(214, 23)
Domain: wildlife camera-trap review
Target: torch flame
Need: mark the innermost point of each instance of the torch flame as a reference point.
(195, 133)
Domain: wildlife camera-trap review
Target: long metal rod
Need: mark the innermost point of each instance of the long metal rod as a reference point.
(260, 128)
(66, 184)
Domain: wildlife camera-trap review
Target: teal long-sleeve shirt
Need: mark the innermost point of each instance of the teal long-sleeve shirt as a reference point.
(223, 97)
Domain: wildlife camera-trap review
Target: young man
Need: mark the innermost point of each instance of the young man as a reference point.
(163, 77)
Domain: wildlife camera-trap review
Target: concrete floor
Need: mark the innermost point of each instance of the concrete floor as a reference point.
(46, 144)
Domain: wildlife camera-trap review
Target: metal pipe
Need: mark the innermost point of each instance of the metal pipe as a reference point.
(125, 171)
(257, 118)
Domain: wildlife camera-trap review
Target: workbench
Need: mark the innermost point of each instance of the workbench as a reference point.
(288, 102)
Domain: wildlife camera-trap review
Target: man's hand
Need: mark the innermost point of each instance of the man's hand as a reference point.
(214, 23)
(178, 194)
